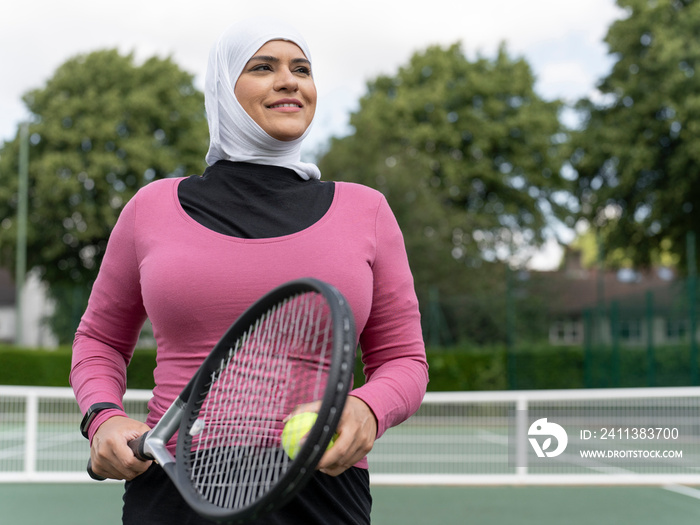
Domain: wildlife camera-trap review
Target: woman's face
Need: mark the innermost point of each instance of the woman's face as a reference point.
(277, 90)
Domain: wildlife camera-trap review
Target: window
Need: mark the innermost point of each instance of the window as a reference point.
(677, 329)
(630, 330)
(566, 331)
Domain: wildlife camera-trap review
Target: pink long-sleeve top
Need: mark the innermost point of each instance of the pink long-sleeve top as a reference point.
(193, 282)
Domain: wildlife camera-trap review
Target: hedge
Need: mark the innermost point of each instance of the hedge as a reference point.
(34, 367)
(449, 370)
(460, 368)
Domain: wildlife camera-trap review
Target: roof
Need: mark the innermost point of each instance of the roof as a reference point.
(576, 289)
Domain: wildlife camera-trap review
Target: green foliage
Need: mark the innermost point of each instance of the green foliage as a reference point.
(457, 369)
(21, 366)
(547, 367)
(469, 159)
(34, 367)
(670, 366)
(637, 153)
(464, 145)
(461, 367)
(101, 128)
(139, 374)
(500, 307)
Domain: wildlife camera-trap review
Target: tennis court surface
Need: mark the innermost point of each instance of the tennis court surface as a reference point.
(464, 458)
(91, 503)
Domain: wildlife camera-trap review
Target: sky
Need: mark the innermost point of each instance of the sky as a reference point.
(350, 42)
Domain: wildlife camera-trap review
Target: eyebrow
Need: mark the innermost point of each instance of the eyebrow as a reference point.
(268, 58)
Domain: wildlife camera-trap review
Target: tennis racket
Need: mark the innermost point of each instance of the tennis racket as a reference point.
(293, 346)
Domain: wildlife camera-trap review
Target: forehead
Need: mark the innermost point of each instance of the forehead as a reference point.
(279, 48)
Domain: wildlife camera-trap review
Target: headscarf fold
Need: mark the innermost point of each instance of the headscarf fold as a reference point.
(234, 135)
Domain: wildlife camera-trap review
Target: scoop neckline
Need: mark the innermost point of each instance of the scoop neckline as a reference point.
(265, 240)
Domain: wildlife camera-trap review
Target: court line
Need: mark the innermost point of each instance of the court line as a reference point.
(681, 489)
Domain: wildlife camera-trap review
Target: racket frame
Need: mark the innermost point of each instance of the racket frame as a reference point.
(152, 445)
(337, 387)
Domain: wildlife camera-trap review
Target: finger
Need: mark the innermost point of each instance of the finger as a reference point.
(120, 470)
(111, 457)
(105, 466)
(129, 464)
(344, 453)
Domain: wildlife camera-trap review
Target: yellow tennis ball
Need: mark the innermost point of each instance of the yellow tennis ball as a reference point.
(296, 429)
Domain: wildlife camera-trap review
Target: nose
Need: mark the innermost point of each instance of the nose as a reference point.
(285, 80)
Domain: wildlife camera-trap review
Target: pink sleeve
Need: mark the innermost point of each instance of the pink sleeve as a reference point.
(109, 329)
(392, 345)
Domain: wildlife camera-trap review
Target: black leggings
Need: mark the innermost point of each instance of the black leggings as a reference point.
(152, 499)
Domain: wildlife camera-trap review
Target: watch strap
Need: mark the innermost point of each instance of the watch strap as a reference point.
(92, 412)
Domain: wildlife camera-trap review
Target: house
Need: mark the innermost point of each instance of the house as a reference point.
(36, 307)
(7, 307)
(624, 305)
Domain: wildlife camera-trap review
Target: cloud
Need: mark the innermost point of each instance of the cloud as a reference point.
(350, 42)
(569, 79)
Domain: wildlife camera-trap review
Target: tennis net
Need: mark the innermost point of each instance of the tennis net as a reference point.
(610, 436)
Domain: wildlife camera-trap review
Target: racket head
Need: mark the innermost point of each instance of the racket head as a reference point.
(295, 345)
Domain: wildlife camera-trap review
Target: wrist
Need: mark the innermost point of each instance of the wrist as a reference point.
(91, 414)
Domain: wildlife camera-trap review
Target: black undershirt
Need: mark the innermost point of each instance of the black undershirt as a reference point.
(254, 201)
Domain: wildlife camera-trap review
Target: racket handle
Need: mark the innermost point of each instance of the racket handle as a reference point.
(137, 447)
(90, 472)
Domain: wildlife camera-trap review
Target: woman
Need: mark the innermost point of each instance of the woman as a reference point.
(191, 254)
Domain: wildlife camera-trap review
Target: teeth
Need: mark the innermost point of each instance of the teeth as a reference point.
(285, 106)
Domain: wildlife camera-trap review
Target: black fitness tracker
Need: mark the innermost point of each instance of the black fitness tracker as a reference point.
(91, 413)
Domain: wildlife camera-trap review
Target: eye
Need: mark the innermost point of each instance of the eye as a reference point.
(261, 67)
(303, 70)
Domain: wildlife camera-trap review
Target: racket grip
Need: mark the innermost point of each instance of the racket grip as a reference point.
(137, 447)
(90, 472)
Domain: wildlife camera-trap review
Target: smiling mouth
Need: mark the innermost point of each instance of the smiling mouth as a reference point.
(285, 106)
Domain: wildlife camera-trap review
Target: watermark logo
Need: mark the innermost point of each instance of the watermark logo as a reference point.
(541, 428)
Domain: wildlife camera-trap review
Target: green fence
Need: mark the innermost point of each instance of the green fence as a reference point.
(578, 328)
(650, 336)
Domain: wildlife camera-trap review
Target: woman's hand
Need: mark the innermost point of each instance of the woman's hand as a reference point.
(356, 431)
(110, 455)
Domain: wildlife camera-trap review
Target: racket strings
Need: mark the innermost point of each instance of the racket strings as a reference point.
(240, 421)
(279, 363)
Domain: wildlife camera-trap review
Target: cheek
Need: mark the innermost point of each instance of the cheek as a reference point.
(313, 95)
(311, 98)
(245, 93)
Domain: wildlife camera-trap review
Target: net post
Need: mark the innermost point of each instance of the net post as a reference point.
(615, 350)
(649, 313)
(692, 306)
(30, 436)
(521, 417)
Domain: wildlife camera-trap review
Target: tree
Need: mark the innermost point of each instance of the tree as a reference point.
(468, 156)
(636, 155)
(102, 127)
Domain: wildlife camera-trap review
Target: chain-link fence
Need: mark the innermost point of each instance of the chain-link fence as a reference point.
(592, 328)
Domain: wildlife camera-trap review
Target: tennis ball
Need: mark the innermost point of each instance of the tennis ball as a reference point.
(296, 429)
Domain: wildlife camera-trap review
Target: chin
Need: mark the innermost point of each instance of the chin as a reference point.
(287, 136)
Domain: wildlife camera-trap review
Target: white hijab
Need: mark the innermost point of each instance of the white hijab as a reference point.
(234, 135)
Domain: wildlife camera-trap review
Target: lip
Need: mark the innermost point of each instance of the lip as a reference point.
(284, 105)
